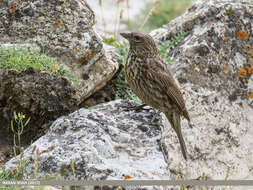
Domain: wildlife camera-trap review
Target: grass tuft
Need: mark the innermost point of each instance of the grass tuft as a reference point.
(19, 59)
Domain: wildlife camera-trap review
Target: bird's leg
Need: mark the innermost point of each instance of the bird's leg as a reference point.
(190, 124)
(154, 117)
(163, 148)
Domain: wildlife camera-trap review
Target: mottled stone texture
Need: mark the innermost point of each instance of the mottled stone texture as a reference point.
(62, 29)
(107, 141)
(218, 47)
(39, 95)
(213, 64)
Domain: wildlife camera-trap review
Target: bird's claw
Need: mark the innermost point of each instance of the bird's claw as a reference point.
(136, 108)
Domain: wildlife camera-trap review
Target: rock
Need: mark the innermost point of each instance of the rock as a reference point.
(64, 30)
(213, 64)
(106, 141)
(39, 95)
(105, 94)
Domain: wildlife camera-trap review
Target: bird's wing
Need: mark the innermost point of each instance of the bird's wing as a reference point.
(165, 79)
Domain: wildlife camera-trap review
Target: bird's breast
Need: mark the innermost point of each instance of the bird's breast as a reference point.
(134, 67)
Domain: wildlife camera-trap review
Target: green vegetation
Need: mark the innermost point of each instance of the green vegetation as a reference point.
(122, 90)
(165, 47)
(17, 174)
(163, 51)
(18, 125)
(165, 11)
(110, 41)
(158, 13)
(19, 59)
(17, 128)
(176, 39)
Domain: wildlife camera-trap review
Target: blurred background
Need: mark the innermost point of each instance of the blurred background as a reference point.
(113, 16)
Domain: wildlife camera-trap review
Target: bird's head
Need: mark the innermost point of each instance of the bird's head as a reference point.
(141, 43)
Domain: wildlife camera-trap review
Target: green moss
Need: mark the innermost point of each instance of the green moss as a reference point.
(19, 59)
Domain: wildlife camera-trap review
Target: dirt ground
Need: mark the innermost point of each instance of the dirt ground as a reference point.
(6, 148)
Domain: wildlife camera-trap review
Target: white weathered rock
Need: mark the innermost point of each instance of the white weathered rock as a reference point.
(104, 142)
(64, 30)
(107, 142)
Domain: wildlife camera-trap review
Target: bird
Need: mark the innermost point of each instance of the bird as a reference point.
(149, 77)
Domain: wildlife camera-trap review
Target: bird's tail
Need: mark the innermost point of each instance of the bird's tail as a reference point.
(175, 121)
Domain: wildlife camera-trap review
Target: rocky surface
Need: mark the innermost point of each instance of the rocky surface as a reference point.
(107, 141)
(214, 66)
(63, 29)
(39, 95)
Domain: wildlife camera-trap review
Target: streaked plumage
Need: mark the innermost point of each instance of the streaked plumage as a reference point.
(150, 79)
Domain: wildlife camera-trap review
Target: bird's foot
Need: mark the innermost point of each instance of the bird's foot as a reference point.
(157, 113)
(136, 108)
(155, 120)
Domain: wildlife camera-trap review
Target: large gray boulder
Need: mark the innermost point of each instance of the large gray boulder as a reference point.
(213, 64)
(213, 69)
(107, 141)
(64, 30)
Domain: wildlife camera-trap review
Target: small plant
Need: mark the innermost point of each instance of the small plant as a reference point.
(163, 51)
(72, 165)
(17, 128)
(19, 59)
(17, 173)
(122, 51)
(20, 171)
(178, 38)
(109, 41)
(165, 47)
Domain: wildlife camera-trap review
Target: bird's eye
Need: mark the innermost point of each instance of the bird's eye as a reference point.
(137, 38)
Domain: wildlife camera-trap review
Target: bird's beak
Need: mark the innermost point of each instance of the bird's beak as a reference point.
(126, 34)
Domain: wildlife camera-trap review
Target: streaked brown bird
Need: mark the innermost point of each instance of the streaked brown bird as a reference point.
(150, 79)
